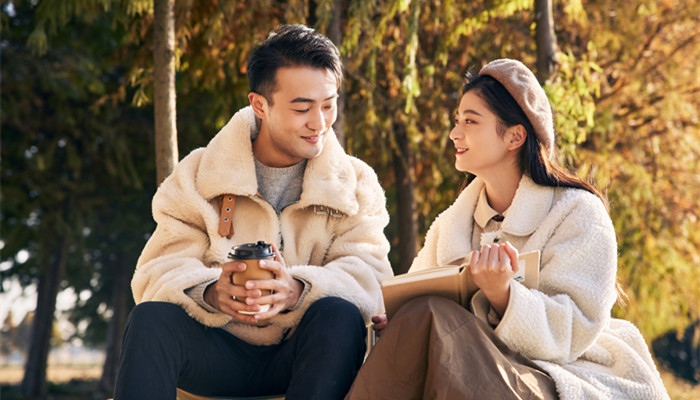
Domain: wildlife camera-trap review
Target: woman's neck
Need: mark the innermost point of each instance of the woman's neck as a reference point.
(500, 189)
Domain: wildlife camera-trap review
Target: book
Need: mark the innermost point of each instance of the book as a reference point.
(450, 281)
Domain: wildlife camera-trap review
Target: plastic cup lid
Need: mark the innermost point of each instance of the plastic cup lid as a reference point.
(250, 251)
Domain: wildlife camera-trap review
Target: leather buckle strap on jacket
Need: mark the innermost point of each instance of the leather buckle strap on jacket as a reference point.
(327, 210)
(228, 202)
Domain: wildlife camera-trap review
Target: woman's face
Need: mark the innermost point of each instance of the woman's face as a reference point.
(479, 146)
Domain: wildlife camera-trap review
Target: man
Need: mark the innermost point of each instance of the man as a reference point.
(274, 173)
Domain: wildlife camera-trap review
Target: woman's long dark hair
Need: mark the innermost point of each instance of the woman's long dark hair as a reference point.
(534, 158)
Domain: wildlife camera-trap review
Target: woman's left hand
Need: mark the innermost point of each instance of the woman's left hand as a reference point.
(492, 269)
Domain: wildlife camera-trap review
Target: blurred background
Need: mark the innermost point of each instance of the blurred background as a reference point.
(81, 157)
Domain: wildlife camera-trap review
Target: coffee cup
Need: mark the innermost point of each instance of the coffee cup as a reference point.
(251, 254)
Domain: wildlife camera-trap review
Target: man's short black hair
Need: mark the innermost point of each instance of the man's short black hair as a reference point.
(291, 46)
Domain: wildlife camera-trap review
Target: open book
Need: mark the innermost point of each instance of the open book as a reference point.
(451, 281)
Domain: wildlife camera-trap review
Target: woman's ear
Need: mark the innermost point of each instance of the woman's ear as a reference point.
(259, 104)
(516, 137)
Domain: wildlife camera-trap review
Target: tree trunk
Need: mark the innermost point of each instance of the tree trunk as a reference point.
(121, 296)
(311, 17)
(405, 200)
(164, 87)
(546, 41)
(34, 385)
(335, 33)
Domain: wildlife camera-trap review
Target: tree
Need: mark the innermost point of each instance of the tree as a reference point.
(48, 216)
(404, 79)
(8, 336)
(334, 31)
(624, 94)
(54, 167)
(164, 66)
(546, 41)
(34, 381)
(643, 148)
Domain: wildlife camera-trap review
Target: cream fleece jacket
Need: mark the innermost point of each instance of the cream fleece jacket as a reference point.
(333, 237)
(565, 324)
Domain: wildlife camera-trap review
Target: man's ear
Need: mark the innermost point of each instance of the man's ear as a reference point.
(516, 137)
(259, 104)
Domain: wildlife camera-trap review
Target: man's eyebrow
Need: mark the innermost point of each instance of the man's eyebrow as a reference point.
(306, 100)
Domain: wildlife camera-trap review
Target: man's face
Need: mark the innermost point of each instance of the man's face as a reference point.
(295, 126)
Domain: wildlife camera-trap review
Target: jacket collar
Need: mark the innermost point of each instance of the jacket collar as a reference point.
(530, 206)
(227, 166)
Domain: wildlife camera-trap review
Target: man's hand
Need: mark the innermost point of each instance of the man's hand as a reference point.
(223, 293)
(285, 291)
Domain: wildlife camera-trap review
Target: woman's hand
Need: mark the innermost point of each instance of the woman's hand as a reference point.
(492, 269)
(379, 323)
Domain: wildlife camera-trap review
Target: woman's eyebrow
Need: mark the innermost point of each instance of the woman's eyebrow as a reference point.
(469, 111)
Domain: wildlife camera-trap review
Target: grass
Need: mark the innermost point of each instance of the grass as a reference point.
(55, 374)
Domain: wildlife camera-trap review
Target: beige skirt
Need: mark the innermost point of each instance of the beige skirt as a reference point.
(435, 349)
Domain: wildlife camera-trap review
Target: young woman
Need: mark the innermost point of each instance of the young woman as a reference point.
(556, 341)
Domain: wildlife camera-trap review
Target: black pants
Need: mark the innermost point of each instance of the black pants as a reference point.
(165, 348)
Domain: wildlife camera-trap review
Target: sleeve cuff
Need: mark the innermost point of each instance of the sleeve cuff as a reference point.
(197, 294)
(483, 310)
(304, 292)
(493, 318)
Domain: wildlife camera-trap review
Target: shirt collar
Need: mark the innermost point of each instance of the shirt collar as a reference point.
(483, 212)
(529, 207)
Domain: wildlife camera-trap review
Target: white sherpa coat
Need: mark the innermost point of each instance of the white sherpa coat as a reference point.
(343, 255)
(565, 325)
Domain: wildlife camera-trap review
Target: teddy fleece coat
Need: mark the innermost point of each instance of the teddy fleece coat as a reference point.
(332, 238)
(565, 325)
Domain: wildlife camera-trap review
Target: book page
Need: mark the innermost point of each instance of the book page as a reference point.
(441, 281)
(452, 282)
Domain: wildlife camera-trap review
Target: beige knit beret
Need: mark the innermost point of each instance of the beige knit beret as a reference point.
(526, 90)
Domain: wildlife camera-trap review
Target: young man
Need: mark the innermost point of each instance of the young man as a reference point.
(275, 173)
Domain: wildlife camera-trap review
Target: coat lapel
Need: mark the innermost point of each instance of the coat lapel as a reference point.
(227, 166)
(456, 240)
(530, 206)
(330, 179)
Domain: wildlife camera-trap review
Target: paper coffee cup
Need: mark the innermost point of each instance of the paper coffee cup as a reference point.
(251, 254)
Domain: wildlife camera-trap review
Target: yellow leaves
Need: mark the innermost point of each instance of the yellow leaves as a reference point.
(140, 97)
(572, 91)
(575, 13)
(139, 7)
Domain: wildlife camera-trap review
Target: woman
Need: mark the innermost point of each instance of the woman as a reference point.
(556, 341)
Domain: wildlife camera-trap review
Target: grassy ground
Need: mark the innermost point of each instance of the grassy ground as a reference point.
(56, 373)
(79, 383)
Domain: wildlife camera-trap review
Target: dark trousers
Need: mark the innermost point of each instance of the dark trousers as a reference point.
(165, 348)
